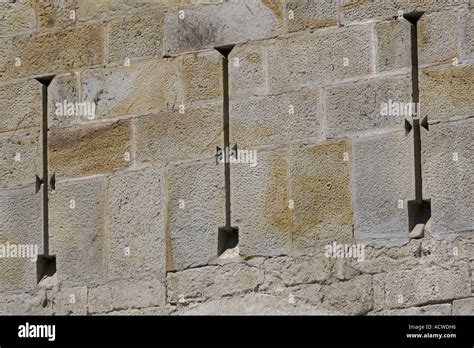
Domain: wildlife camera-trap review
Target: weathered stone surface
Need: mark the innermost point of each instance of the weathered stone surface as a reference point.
(135, 37)
(281, 272)
(172, 136)
(252, 304)
(468, 34)
(64, 88)
(307, 14)
(20, 105)
(138, 89)
(92, 149)
(211, 282)
(283, 118)
(76, 231)
(71, 301)
(202, 76)
(51, 53)
(359, 106)
(320, 190)
(319, 58)
(20, 157)
(447, 92)
(202, 27)
(402, 289)
(464, 306)
(136, 237)
(34, 303)
(260, 204)
(54, 13)
(439, 309)
(383, 181)
(247, 70)
(447, 181)
(438, 37)
(196, 210)
(361, 10)
(125, 295)
(393, 45)
(352, 297)
(16, 17)
(20, 224)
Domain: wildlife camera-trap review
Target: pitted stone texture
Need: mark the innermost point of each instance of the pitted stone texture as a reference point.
(393, 45)
(202, 76)
(260, 204)
(40, 53)
(135, 221)
(25, 304)
(252, 304)
(20, 157)
(362, 10)
(464, 306)
(320, 190)
(352, 297)
(438, 37)
(91, 149)
(228, 23)
(135, 37)
(468, 34)
(211, 282)
(383, 179)
(125, 295)
(172, 136)
(20, 224)
(402, 289)
(20, 105)
(16, 17)
(447, 92)
(138, 89)
(308, 14)
(196, 210)
(76, 231)
(450, 183)
(64, 88)
(277, 119)
(357, 106)
(55, 13)
(247, 64)
(319, 58)
(70, 301)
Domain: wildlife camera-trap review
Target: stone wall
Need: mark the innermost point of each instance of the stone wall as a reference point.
(138, 198)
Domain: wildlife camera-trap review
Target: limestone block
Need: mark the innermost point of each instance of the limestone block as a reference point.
(76, 231)
(366, 105)
(201, 27)
(319, 58)
(308, 14)
(91, 149)
(448, 162)
(402, 289)
(464, 306)
(383, 182)
(211, 282)
(447, 92)
(247, 63)
(135, 37)
(136, 237)
(20, 105)
(320, 190)
(196, 210)
(393, 44)
(140, 88)
(172, 136)
(21, 224)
